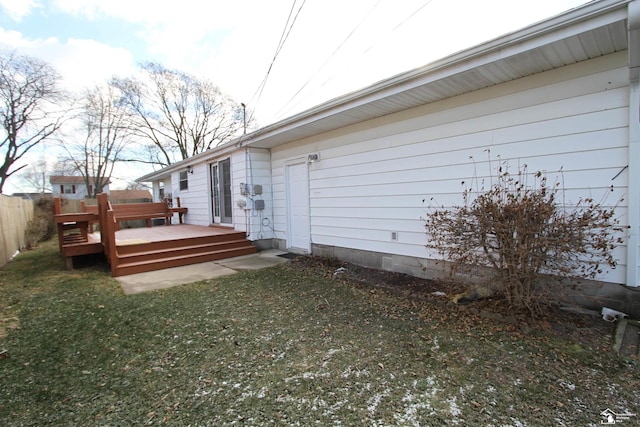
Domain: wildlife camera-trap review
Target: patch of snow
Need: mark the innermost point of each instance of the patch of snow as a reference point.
(307, 376)
(465, 389)
(417, 402)
(454, 410)
(262, 393)
(354, 372)
(409, 417)
(372, 403)
(333, 351)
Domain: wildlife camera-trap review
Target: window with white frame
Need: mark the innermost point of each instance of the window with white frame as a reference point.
(184, 180)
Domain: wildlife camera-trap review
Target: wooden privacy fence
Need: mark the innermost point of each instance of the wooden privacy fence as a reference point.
(15, 213)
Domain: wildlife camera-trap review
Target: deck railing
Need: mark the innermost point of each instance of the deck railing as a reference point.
(108, 217)
(107, 230)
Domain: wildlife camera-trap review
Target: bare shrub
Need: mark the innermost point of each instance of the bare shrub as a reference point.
(41, 227)
(35, 232)
(529, 241)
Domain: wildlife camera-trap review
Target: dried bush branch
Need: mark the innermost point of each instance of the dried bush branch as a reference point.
(529, 241)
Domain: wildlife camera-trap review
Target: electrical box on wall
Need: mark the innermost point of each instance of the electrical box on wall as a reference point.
(258, 205)
(244, 189)
(257, 189)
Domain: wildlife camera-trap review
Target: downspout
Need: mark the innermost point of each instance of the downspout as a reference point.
(633, 30)
(248, 174)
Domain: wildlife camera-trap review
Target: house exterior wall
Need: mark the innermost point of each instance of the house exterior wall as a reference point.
(80, 191)
(195, 197)
(256, 173)
(239, 168)
(380, 177)
(165, 184)
(252, 167)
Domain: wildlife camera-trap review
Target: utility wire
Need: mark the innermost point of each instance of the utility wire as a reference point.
(283, 38)
(400, 24)
(329, 58)
(275, 55)
(412, 15)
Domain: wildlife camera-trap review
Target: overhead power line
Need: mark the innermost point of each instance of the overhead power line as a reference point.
(369, 48)
(286, 31)
(329, 58)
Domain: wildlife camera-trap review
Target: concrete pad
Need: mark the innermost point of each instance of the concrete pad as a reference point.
(262, 259)
(170, 277)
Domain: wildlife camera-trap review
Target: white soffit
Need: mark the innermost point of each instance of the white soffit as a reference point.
(596, 29)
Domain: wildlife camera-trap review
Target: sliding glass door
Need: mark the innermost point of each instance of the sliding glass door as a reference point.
(220, 191)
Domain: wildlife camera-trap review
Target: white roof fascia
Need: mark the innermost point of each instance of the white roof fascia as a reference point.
(203, 157)
(570, 23)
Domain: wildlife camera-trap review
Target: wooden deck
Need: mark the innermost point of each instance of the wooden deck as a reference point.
(148, 249)
(161, 233)
(74, 238)
(137, 250)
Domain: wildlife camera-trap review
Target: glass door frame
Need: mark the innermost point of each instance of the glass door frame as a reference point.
(220, 191)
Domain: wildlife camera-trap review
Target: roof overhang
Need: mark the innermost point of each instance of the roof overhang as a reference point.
(595, 29)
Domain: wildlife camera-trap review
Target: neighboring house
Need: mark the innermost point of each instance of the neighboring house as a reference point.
(72, 187)
(349, 178)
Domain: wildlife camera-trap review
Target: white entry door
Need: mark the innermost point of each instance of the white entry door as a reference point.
(299, 233)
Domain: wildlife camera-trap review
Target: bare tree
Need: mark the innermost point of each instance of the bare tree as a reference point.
(107, 132)
(31, 108)
(63, 167)
(36, 176)
(178, 114)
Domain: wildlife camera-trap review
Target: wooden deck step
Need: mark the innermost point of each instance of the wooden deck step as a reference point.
(139, 255)
(153, 252)
(169, 261)
(140, 245)
(75, 244)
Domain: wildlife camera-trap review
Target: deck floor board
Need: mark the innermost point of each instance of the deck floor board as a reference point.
(161, 233)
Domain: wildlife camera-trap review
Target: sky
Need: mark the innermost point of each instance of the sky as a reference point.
(279, 57)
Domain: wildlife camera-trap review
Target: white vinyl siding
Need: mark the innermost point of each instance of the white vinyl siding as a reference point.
(256, 171)
(195, 198)
(373, 177)
(260, 174)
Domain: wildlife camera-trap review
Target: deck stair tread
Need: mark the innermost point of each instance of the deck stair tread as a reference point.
(130, 267)
(126, 246)
(142, 256)
(147, 252)
(247, 249)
